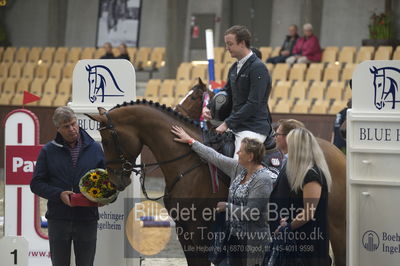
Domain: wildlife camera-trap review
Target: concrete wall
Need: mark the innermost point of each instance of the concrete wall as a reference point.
(346, 22)
(27, 22)
(153, 29)
(81, 28)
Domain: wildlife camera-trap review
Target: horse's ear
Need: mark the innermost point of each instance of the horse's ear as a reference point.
(102, 111)
(201, 82)
(95, 117)
(373, 70)
(88, 68)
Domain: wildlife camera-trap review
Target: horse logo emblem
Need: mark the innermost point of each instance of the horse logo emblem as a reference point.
(370, 240)
(386, 86)
(102, 83)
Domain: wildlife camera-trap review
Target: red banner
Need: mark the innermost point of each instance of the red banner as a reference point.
(20, 163)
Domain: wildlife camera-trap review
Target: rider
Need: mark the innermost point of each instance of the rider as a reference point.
(248, 88)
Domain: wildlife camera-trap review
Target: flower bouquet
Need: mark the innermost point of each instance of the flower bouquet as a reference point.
(96, 187)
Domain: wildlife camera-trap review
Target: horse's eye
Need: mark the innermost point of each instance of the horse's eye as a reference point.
(92, 80)
(380, 84)
(193, 98)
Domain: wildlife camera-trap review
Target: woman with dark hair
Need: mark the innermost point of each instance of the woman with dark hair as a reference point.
(249, 191)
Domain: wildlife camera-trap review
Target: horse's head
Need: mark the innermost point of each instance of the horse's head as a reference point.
(121, 145)
(191, 104)
(96, 82)
(385, 86)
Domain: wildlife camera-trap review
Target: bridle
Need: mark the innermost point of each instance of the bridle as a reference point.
(127, 167)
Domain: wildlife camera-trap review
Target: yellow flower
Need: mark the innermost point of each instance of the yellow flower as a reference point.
(111, 186)
(94, 177)
(95, 192)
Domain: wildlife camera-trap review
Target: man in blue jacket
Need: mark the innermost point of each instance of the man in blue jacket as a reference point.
(248, 87)
(60, 165)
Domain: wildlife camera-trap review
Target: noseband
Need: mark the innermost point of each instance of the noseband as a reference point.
(127, 167)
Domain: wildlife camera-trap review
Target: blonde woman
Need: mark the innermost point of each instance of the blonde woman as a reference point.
(309, 181)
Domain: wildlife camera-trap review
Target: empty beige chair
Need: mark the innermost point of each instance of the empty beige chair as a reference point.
(281, 90)
(37, 88)
(142, 56)
(64, 93)
(332, 72)
(21, 55)
(297, 72)
(68, 70)
(329, 54)
(336, 107)
(365, 53)
(301, 107)
(1, 52)
(22, 85)
(74, 55)
(319, 107)
(28, 70)
(347, 72)
(347, 53)
(49, 92)
(314, 72)
(167, 88)
(396, 54)
(60, 56)
(218, 54)
(270, 67)
(152, 89)
(87, 53)
(34, 54)
(15, 70)
(317, 90)
(8, 91)
(99, 53)
(283, 106)
(228, 59)
(384, 53)
(280, 72)
(42, 71)
(225, 72)
(47, 55)
(276, 51)
(168, 101)
(335, 90)
(200, 71)
(55, 71)
(184, 71)
(265, 52)
(347, 92)
(299, 90)
(4, 68)
(156, 59)
(132, 53)
(9, 53)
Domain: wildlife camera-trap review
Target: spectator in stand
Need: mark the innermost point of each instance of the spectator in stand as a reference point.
(123, 52)
(109, 54)
(307, 48)
(287, 46)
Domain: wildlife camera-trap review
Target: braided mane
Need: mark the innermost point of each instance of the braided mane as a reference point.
(161, 107)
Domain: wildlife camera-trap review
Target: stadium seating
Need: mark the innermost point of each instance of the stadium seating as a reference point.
(297, 72)
(22, 85)
(329, 54)
(384, 53)
(265, 52)
(34, 54)
(21, 54)
(332, 72)
(346, 55)
(280, 72)
(8, 55)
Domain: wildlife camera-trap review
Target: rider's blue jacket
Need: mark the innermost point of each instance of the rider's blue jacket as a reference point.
(55, 173)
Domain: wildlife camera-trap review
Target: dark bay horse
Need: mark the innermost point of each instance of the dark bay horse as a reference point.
(337, 166)
(126, 128)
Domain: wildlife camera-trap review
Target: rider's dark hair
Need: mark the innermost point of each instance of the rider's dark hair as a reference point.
(241, 34)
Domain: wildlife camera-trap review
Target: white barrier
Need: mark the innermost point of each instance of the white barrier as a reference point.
(21, 216)
(106, 83)
(14, 251)
(373, 148)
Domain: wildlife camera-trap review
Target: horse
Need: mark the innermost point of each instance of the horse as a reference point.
(385, 85)
(125, 129)
(337, 166)
(98, 78)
